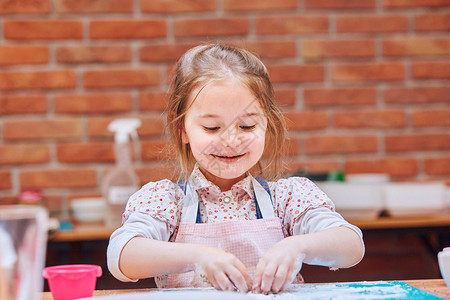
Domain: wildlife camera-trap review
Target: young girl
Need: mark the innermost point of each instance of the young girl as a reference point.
(222, 226)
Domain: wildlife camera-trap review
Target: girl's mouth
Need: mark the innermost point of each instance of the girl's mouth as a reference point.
(228, 158)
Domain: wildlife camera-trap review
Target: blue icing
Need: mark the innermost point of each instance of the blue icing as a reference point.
(360, 290)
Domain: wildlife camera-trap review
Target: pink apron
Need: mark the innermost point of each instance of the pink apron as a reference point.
(248, 240)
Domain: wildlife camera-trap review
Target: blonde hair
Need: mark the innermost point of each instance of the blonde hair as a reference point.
(205, 63)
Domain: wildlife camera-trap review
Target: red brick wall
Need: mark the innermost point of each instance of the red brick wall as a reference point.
(364, 84)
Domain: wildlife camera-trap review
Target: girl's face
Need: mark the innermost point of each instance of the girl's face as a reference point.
(225, 127)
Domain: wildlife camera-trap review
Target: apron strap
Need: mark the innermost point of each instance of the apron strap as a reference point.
(188, 205)
(263, 198)
(264, 184)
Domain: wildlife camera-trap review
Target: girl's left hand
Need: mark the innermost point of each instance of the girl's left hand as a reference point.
(278, 267)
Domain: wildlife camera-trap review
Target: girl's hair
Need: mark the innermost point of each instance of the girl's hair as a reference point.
(205, 63)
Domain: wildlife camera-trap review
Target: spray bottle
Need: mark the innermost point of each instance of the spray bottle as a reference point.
(122, 181)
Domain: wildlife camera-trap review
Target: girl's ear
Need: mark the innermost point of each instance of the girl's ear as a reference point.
(184, 137)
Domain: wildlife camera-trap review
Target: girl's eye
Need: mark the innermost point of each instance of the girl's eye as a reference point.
(211, 129)
(251, 127)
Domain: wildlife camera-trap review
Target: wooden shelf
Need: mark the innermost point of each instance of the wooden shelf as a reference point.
(96, 231)
(82, 232)
(404, 222)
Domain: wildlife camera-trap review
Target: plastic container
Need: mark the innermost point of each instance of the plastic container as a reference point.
(23, 240)
(444, 265)
(69, 282)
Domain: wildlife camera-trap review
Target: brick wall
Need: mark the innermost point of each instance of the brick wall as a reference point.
(364, 84)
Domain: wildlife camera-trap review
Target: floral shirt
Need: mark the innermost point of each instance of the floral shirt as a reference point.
(163, 200)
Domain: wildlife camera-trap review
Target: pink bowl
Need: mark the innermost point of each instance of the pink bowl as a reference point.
(69, 282)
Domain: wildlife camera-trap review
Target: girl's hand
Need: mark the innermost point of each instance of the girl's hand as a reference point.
(223, 270)
(278, 267)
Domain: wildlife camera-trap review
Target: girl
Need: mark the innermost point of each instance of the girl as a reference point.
(222, 226)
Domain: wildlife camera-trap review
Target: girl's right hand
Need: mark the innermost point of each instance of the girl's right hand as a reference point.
(223, 270)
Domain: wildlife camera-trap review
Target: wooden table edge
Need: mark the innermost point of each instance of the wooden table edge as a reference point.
(436, 287)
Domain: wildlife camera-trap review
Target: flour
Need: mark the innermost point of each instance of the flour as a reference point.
(365, 290)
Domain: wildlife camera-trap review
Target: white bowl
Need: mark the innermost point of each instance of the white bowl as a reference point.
(88, 209)
(444, 265)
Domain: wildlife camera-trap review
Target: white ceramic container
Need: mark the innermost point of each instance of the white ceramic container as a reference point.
(355, 200)
(414, 199)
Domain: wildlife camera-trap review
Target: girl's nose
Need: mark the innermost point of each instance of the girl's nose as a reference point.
(230, 137)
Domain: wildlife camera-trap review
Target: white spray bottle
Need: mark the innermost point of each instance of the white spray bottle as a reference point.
(122, 181)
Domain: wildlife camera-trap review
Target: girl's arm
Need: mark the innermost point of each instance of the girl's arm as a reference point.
(142, 258)
(338, 247)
